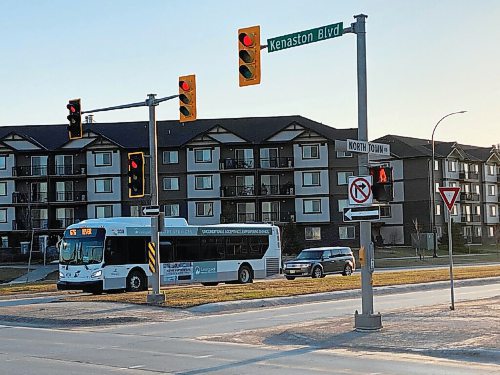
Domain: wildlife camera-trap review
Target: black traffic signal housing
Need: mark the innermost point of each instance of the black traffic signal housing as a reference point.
(136, 175)
(249, 55)
(187, 98)
(75, 119)
(382, 186)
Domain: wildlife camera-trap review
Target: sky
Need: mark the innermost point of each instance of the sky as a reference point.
(425, 59)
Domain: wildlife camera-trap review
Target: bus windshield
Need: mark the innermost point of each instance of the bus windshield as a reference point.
(82, 250)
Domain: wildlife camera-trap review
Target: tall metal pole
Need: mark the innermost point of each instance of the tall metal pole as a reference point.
(433, 188)
(450, 253)
(155, 296)
(366, 320)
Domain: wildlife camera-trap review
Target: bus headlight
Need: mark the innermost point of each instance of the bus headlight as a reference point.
(96, 274)
(61, 275)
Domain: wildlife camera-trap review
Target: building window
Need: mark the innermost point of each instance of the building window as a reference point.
(3, 189)
(478, 210)
(343, 177)
(491, 231)
(203, 182)
(310, 152)
(310, 179)
(343, 203)
(344, 154)
(491, 170)
(493, 210)
(204, 209)
(171, 210)
(452, 165)
(346, 233)
(313, 233)
(438, 209)
(134, 211)
(5, 242)
(170, 157)
(170, 183)
(203, 155)
(454, 210)
(3, 215)
(491, 190)
(436, 165)
(102, 159)
(452, 184)
(312, 206)
(39, 165)
(3, 161)
(103, 185)
(436, 187)
(103, 211)
(385, 211)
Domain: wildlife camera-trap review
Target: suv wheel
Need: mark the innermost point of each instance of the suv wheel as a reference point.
(347, 270)
(317, 272)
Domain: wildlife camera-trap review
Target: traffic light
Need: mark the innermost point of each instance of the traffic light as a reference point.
(249, 55)
(75, 119)
(136, 174)
(187, 98)
(382, 187)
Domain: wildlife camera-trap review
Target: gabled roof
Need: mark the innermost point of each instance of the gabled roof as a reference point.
(134, 135)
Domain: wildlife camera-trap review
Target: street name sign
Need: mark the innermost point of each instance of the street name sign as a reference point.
(305, 37)
(353, 145)
(449, 195)
(367, 213)
(151, 210)
(360, 190)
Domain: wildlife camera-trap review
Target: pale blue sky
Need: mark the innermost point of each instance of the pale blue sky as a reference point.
(425, 59)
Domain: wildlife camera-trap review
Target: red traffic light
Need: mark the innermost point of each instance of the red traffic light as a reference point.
(133, 164)
(246, 40)
(71, 108)
(184, 86)
(382, 176)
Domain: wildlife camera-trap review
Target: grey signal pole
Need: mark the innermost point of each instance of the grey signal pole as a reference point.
(366, 320)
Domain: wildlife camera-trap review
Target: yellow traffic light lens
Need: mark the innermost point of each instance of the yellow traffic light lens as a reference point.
(185, 99)
(247, 56)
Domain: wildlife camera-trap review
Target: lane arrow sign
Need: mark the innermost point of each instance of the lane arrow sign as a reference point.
(361, 213)
(151, 210)
(449, 195)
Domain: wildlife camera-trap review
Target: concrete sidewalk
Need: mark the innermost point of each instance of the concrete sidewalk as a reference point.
(36, 273)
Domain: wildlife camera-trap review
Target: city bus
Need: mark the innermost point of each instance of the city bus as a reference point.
(99, 255)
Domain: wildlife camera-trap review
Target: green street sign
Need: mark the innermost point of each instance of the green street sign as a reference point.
(304, 37)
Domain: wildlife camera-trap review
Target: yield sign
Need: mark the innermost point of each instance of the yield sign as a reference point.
(449, 195)
(360, 190)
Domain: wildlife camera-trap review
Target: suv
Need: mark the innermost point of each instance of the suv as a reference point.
(321, 261)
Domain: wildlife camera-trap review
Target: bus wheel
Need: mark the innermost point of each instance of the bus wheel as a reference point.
(245, 275)
(210, 283)
(136, 281)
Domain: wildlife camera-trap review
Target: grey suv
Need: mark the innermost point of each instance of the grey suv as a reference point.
(321, 261)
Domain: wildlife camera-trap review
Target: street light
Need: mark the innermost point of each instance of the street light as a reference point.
(433, 192)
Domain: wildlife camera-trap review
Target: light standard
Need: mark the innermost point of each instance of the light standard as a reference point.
(433, 188)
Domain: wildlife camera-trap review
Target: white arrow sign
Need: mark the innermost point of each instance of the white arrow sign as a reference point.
(151, 210)
(361, 213)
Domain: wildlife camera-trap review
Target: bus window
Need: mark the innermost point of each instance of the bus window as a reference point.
(136, 249)
(167, 250)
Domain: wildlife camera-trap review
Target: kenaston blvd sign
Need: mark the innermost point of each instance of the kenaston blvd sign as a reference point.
(305, 37)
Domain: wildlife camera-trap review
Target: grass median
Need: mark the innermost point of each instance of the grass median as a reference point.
(194, 295)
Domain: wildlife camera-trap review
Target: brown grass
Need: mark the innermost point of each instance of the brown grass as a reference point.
(197, 295)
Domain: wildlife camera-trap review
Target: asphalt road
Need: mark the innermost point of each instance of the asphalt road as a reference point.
(239, 342)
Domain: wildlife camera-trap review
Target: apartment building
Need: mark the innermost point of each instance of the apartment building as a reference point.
(476, 170)
(272, 169)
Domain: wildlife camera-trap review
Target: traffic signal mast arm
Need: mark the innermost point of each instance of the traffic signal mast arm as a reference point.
(132, 105)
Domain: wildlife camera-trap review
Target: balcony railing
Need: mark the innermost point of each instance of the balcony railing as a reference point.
(64, 223)
(30, 171)
(279, 162)
(469, 197)
(35, 224)
(18, 197)
(238, 218)
(238, 191)
(287, 189)
(469, 218)
(473, 239)
(67, 170)
(464, 175)
(273, 217)
(232, 164)
(71, 196)
(266, 217)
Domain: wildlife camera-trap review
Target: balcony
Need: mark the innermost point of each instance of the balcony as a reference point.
(237, 191)
(26, 225)
(267, 217)
(277, 217)
(464, 175)
(30, 171)
(236, 164)
(27, 198)
(473, 197)
(63, 223)
(286, 189)
(275, 163)
(70, 196)
(68, 170)
(469, 218)
(247, 217)
(473, 240)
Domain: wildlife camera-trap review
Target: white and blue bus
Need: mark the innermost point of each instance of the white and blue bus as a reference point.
(110, 254)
